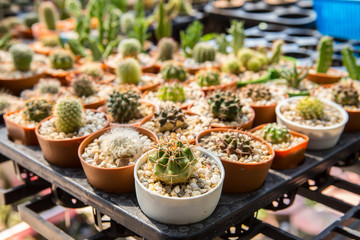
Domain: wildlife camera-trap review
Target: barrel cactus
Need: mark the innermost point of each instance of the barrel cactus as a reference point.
(83, 86)
(204, 52)
(48, 14)
(129, 71)
(231, 65)
(170, 118)
(310, 108)
(258, 92)
(22, 56)
(127, 22)
(225, 105)
(346, 95)
(236, 143)
(325, 54)
(130, 47)
(30, 19)
(173, 71)
(48, 86)
(166, 49)
(68, 115)
(206, 78)
(61, 59)
(173, 93)
(37, 109)
(275, 133)
(124, 106)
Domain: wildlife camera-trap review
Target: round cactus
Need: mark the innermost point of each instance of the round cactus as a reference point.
(50, 41)
(92, 69)
(206, 78)
(37, 109)
(173, 93)
(166, 48)
(173, 71)
(124, 106)
(236, 143)
(225, 105)
(68, 115)
(346, 95)
(61, 59)
(254, 64)
(83, 86)
(48, 85)
(170, 118)
(48, 14)
(204, 52)
(258, 92)
(22, 56)
(275, 133)
(310, 108)
(244, 55)
(232, 66)
(127, 22)
(30, 19)
(129, 71)
(130, 47)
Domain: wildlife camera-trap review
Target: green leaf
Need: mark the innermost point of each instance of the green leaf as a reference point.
(190, 37)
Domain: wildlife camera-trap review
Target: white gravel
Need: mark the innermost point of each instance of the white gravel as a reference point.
(18, 117)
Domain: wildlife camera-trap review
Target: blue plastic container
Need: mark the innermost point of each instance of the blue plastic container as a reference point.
(338, 18)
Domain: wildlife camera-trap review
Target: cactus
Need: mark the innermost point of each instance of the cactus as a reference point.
(173, 93)
(166, 49)
(130, 47)
(231, 65)
(310, 108)
(236, 30)
(170, 118)
(276, 51)
(127, 22)
(275, 133)
(124, 106)
(68, 115)
(129, 71)
(325, 54)
(163, 26)
(48, 85)
(346, 95)
(225, 105)
(350, 63)
(294, 77)
(206, 78)
(92, 69)
(50, 41)
(221, 43)
(48, 14)
(173, 161)
(173, 71)
(204, 52)
(37, 109)
(244, 55)
(30, 19)
(61, 59)
(235, 143)
(22, 56)
(258, 92)
(83, 86)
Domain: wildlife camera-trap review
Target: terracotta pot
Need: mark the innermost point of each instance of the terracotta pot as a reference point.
(289, 158)
(150, 87)
(332, 76)
(353, 125)
(18, 133)
(61, 152)
(244, 126)
(111, 180)
(39, 29)
(264, 114)
(17, 85)
(62, 76)
(25, 32)
(242, 177)
(40, 49)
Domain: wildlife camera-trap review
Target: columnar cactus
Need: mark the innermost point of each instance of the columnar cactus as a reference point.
(350, 63)
(236, 143)
(166, 48)
(204, 52)
(129, 71)
(48, 14)
(325, 54)
(310, 108)
(61, 59)
(236, 30)
(225, 105)
(83, 86)
(206, 78)
(276, 51)
(127, 22)
(22, 56)
(275, 133)
(258, 92)
(170, 118)
(68, 115)
(173, 93)
(173, 161)
(173, 71)
(37, 109)
(231, 65)
(48, 86)
(129, 47)
(346, 95)
(124, 106)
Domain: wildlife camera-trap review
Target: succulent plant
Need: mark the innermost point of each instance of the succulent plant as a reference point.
(173, 161)
(235, 143)
(129, 71)
(30, 19)
(276, 51)
(129, 47)
(61, 59)
(37, 109)
(92, 69)
(275, 133)
(258, 92)
(251, 59)
(124, 106)
(173, 93)
(225, 105)
(68, 115)
(236, 30)
(48, 14)
(48, 85)
(206, 78)
(50, 41)
(170, 118)
(173, 71)
(231, 65)
(350, 63)
(166, 49)
(293, 76)
(163, 27)
(325, 54)
(310, 108)
(221, 43)
(204, 52)
(244, 55)
(127, 22)
(83, 86)
(346, 95)
(22, 56)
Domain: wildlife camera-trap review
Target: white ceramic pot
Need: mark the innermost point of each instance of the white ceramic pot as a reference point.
(178, 210)
(319, 138)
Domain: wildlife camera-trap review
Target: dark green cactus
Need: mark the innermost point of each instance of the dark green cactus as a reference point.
(173, 71)
(310, 108)
(235, 143)
(173, 93)
(236, 30)
(350, 63)
(68, 115)
(275, 133)
(166, 49)
(37, 109)
(124, 106)
(258, 92)
(129, 47)
(170, 118)
(83, 86)
(22, 56)
(346, 95)
(61, 59)
(206, 78)
(129, 71)
(30, 19)
(204, 52)
(225, 105)
(48, 14)
(325, 54)
(276, 51)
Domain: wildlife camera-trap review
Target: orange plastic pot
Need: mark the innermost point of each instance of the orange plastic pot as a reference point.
(61, 152)
(18, 133)
(289, 158)
(264, 114)
(332, 76)
(244, 126)
(39, 29)
(353, 124)
(111, 180)
(17, 85)
(242, 177)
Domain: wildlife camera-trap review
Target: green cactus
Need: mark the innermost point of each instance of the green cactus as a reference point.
(166, 49)
(22, 56)
(30, 19)
(129, 71)
(221, 43)
(258, 92)
(37, 109)
(254, 64)
(204, 52)
(61, 59)
(68, 115)
(163, 26)
(293, 76)
(206, 78)
(170, 118)
(48, 14)
(275, 133)
(325, 54)
(310, 108)
(235, 143)
(225, 105)
(276, 51)
(83, 86)
(173, 161)
(244, 55)
(346, 95)
(127, 22)
(50, 41)
(350, 63)
(236, 30)
(231, 65)
(173, 71)
(173, 93)
(129, 47)
(48, 86)
(124, 106)
(92, 69)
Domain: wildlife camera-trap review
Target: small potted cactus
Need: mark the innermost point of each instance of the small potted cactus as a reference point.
(61, 64)
(46, 88)
(182, 179)
(246, 158)
(21, 124)
(289, 146)
(108, 157)
(166, 50)
(9, 103)
(46, 45)
(95, 70)
(60, 135)
(173, 71)
(321, 120)
(212, 80)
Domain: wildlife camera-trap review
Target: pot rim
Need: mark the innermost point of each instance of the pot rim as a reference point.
(6, 116)
(40, 75)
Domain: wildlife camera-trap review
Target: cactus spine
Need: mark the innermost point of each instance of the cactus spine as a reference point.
(276, 51)
(325, 51)
(129, 71)
(68, 115)
(238, 36)
(173, 93)
(22, 56)
(83, 86)
(61, 59)
(225, 105)
(204, 52)
(166, 48)
(310, 108)
(37, 109)
(275, 133)
(258, 92)
(350, 63)
(173, 71)
(48, 14)
(206, 78)
(130, 47)
(124, 106)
